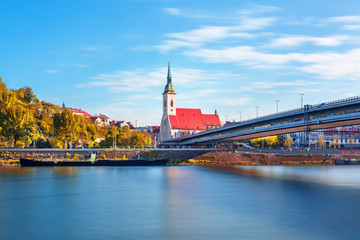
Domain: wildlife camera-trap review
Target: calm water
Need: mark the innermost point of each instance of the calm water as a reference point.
(180, 203)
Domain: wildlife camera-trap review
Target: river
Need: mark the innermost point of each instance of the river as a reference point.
(180, 203)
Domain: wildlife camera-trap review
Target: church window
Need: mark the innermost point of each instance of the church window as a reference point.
(164, 103)
(172, 103)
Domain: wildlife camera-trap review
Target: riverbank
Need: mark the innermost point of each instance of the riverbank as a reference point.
(224, 158)
(177, 157)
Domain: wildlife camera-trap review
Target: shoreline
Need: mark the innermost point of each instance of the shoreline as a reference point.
(204, 158)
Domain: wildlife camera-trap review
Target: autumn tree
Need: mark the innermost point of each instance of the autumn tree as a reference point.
(336, 141)
(124, 136)
(26, 95)
(2, 86)
(141, 139)
(271, 141)
(16, 121)
(288, 141)
(64, 126)
(320, 141)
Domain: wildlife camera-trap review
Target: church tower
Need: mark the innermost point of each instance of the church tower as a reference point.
(169, 107)
(169, 96)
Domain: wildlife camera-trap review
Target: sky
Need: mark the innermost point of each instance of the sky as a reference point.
(111, 56)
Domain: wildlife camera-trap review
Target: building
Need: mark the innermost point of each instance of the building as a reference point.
(338, 137)
(101, 120)
(79, 112)
(177, 122)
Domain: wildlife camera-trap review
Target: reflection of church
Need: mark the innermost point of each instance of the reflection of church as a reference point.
(178, 122)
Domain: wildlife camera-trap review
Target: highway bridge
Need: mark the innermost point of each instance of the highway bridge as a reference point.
(338, 113)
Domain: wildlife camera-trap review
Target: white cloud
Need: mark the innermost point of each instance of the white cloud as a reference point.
(345, 19)
(243, 54)
(91, 48)
(52, 71)
(351, 22)
(337, 65)
(206, 34)
(142, 81)
(352, 27)
(256, 9)
(172, 11)
(330, 65)
(267, 85)
(209, 34)
(292, 41)
(173, 44)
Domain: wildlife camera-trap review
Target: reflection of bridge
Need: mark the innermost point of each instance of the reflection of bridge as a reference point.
(339, 113)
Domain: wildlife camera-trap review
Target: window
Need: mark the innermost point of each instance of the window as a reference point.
(172, 103)
(164, 103)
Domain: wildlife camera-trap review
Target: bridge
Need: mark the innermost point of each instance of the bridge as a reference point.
(338, 113)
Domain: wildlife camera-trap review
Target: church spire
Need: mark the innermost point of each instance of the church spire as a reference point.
(169, 88)
(169, 74)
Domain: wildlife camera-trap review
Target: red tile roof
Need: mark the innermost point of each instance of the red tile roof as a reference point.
(187, 118)
(79, 111)
(211, 120)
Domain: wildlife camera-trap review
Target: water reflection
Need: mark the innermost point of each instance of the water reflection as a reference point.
(65, 171)
(16, 171)
(332, 175)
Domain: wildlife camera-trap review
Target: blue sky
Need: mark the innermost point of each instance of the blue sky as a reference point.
(110, 56)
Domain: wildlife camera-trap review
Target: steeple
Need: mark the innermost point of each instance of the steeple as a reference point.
(169, 88)
(169, 74)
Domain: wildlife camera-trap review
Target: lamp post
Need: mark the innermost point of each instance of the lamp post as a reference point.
(240, 115)
(301, 98)
(277, 105)
(257, 112)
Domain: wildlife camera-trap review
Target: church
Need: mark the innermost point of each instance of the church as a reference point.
(179, 122)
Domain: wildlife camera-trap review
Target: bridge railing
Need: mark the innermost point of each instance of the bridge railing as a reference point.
(313, 106)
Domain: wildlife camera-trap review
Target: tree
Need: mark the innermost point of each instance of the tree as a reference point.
(320, 141)
(124, 135)
(16, 121)
(288, 141)
(351, 140)
(141, 139)
(336, 141)
(26, 95)
(2, 86)
(64, 126)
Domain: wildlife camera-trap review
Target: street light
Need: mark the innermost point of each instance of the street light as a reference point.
(301, 97)
(257, 111)
(277, 105)
(240, 115)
